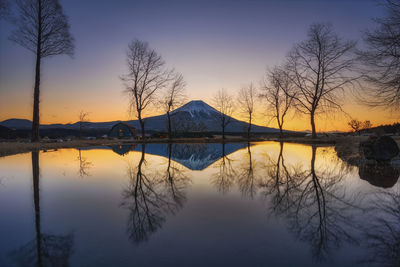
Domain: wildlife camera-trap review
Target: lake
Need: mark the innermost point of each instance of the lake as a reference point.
(266, 204)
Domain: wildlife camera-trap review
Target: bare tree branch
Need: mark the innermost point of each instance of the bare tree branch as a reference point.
(146, 76)
(320, 69)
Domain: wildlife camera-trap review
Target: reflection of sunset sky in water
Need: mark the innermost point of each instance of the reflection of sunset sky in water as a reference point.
(211, 227)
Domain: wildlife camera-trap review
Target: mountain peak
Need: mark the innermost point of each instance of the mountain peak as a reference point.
(196, 106)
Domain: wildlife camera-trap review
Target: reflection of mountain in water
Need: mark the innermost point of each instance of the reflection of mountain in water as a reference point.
(192, 156)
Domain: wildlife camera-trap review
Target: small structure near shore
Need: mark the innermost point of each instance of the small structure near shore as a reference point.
(123, 130)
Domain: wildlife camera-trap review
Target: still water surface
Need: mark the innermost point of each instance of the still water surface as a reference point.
(268, 204)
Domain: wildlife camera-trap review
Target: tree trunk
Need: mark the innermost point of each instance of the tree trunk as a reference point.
(36, 92)
(249, 129)
(142, 128)
(35, 176)
(223, 128)
(169, 126)
(314, 133)
(280, 131)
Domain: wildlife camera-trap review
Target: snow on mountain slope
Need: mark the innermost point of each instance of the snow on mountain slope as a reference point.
(196, 108)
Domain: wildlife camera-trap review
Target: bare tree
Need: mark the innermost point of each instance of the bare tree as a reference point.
(146, 76)
(84, 165)
(83, 118)
(174, 96)
(355, 125)
(277, 91)
(320, 69)
(247, 97)
(43, 29)
(318, 208)
(223, 102)
(149, 199)
(381, 59)
(246, 176)
(44, 249)
(382, 233)
(366, 125)
(225, 177)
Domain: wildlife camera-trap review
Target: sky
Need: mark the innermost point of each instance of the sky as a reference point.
(214, 44)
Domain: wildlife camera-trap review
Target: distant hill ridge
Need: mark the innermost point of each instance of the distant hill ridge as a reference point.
(195, 115)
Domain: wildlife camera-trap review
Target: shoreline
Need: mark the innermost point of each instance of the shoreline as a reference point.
(345, 147)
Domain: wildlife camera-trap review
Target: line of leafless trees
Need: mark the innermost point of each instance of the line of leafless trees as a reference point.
(149, 81)
(312, 80)
(320, 71)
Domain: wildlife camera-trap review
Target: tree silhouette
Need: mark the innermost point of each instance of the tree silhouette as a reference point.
(281, 182)
(173, 97)
(44, 250)
(83, 118)
(316, 206)
(176, 180)
(224, 178)
(146, 76)
(148, 201)
(380, 60)
(320, 70)
(246, 99)
(277, 92)
(43, 29)
(84, 165)
(246, 177)
(382, 231)
(223, 102)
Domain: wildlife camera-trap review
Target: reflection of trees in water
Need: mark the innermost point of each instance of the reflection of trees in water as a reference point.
(84, 165)
(150, 197)
(281, 182)
(175, 179)
(224, 178)
(45, 249)
(382, 229)
(314, 202)
(246, 178)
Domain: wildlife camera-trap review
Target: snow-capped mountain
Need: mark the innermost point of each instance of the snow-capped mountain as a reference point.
(197, 108)
(194, 116)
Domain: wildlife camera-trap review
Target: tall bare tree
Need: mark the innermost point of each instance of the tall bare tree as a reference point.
(247, 97)
(174, 96)
(277, 91)
(381, 59)
(320, 68)
(43, 29)
(223, 102)
(147, 75)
